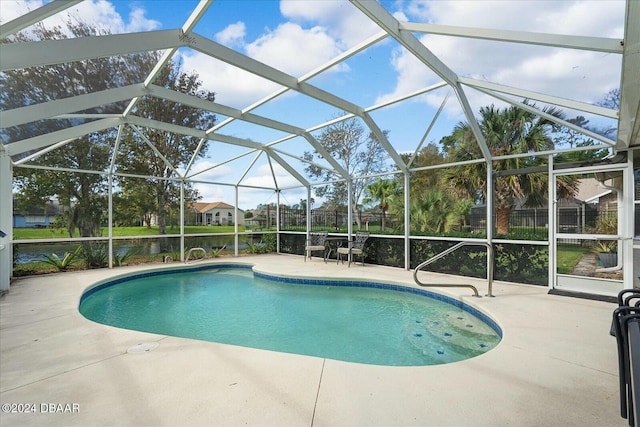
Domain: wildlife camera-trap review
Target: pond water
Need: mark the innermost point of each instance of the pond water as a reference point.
(31, 252)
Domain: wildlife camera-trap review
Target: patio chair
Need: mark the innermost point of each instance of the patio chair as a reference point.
(626, 328)
(315, 243)
(355, 247)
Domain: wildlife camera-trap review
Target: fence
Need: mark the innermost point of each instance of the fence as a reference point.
(513, 262)
(533, 222)
(331, 220)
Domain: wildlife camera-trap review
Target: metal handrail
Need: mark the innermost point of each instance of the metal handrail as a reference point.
(195, 249)
(490, 256)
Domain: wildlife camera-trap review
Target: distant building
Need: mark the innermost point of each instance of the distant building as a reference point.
(597, 195)
(260, 216)
(216, 213)
(36, 217)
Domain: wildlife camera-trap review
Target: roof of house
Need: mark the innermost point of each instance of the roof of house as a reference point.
(46, 210)
(207, 206)
(590, 189)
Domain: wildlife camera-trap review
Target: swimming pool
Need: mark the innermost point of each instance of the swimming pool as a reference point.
(354, 321)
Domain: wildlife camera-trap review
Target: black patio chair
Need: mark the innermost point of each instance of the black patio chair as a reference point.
(315, 243)
(354, 248)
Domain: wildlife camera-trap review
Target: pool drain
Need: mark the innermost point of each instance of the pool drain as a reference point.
(143, 347)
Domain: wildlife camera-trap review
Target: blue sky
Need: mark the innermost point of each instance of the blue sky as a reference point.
(296, 36)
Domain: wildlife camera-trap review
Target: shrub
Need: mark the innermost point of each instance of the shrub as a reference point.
(216, 252)
(64, 263)
(95, 254)
(119, 260)
(266, 245)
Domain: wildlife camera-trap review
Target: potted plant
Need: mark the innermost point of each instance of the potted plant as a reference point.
(607, 251)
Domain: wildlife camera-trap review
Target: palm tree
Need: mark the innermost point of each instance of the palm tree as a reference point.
(506, 131)
(437, 211)
(382, 191)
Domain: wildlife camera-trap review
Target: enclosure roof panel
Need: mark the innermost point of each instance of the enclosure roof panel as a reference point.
(367, 56)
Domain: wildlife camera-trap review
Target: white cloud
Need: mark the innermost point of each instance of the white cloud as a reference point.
(232, 35)
(99, 13)
(232, 86)
(292, 49)
(14, 9)
(289, 48)
(215, 193)
(262, 176)
(341, 20)
(102, 13)
(139, 22)
(579, 75)
(320, 31)
(585, 17)
(214, 174)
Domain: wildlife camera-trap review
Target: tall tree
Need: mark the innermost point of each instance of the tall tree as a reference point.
(84, 194)
(358, 152)
(383, 191)
(575, 139)
(506, 131)
(133, 206)
(422, 180)
(437, 211)
(137, 156)
(611, 99)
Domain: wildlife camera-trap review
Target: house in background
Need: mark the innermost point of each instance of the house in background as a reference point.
(263, 218)
(36, 217)
(216, 213)
(598, 195)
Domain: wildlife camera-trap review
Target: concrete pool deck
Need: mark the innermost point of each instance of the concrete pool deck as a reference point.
(556, 366)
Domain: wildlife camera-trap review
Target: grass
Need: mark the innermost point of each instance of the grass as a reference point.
(37, 267)
(569, 256)
(61, 233)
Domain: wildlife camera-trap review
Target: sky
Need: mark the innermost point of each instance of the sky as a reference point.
(297, 36)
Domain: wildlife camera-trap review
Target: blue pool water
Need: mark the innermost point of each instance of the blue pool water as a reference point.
(363, 322)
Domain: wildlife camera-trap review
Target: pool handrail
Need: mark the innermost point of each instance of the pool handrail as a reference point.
(195, 249)
(434, 258)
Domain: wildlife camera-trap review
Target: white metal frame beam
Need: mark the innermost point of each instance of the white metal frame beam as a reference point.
(342, 57)
(151, 145)
(554, 119)
(56, 108)
(42, 141)
(187, 27)
(231, 57)
(272, 154)
(629, 123)
(387, 22)
(6, 219)
(536, 96)
(35, 16)
(196, 102)
(51, 52)
(167, 127)
(598, 44)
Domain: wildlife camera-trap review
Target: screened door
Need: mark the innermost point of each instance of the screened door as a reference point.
(589, 230)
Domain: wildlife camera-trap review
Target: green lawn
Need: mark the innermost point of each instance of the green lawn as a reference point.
(61, 233)
(569, 256)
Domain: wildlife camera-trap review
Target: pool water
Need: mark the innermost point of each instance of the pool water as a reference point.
(343, 322)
